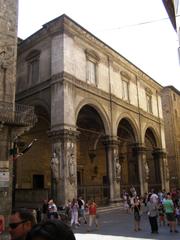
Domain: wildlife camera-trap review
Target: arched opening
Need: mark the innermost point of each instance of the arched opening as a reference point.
(33, 168)
(91, 158)
(152, 160)
(128, 159)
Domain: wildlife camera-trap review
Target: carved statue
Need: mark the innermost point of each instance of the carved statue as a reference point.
(55, 165)
(146, 169)
(118, 169)
(71, 165)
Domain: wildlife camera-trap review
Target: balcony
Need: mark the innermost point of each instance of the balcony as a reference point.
(17, 114)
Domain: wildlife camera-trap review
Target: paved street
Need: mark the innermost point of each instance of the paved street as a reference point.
(117, 225)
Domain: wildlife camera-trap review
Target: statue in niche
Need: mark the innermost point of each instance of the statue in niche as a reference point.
(71, 165)
(146, 170)
(55, 166)
(118, 169)
(71, 161)
(55, 161)
(117, 165)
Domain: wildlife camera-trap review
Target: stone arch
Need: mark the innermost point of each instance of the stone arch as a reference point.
(132, 122)
(127, 133)
(92, 171)
(99, 108)
(155, 134)
(152, 143)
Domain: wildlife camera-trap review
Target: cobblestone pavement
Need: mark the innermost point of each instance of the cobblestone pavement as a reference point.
(117, 225)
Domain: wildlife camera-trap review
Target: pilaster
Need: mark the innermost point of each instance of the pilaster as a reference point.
(161, 155)
(113, 167)
(140, 150)
(64, 164)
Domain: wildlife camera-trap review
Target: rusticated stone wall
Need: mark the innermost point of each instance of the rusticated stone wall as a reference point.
(8, 49)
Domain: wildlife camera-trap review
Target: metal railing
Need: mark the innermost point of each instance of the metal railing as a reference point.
(17, 114)
(99, 193)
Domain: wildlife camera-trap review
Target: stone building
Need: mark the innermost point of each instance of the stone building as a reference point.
(100, 123)
(171, 112)
(14, 118)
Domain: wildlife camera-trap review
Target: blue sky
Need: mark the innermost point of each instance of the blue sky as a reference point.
(138, 29)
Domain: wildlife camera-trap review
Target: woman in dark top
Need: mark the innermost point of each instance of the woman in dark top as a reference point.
(137, 215)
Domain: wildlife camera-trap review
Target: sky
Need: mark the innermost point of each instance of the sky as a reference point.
(139, 30)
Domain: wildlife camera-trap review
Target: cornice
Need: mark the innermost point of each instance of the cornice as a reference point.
(64, 24)
(66, 78)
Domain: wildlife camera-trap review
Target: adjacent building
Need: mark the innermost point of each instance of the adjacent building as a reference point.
(171, 112)
(14, 118)
(172, 8)
(100, 124)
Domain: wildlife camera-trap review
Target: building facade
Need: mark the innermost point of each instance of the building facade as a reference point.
(14, 118)
(100, 123)
(171, 112)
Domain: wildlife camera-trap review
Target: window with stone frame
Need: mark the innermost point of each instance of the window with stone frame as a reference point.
(125, 92)
(92, 60)
(125, 85)
(33, 66)
(149, 100)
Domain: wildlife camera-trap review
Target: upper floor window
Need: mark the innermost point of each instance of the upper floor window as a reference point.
(149, 103)
(125, 92)
(148, 100)
(92, 60)
(125, 85)
(91, 72)
(33, 66)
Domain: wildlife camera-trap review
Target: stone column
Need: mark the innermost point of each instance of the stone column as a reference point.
(64, 164)
(161, 156)
(140, 150)
(113, 167)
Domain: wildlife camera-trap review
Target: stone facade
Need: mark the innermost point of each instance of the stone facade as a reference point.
(8, 46)
(103, 116)
(171, 112)
(14, 118)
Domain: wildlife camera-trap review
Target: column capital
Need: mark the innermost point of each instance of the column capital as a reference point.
(139, 147)
(160, 152)
(63, 134)
(110, 141)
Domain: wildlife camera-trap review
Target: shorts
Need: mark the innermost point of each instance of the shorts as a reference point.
(171, 217)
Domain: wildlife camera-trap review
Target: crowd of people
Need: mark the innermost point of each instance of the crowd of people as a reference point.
(48, 223)
(162, 208)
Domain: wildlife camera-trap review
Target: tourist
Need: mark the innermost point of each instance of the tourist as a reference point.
(74, 213)
(152, 208)
(170, 212)
(51, 230)
(20, 223)
(82, 215)
(52, 210)
(45, 210)
(93, 217)
(137, 214)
